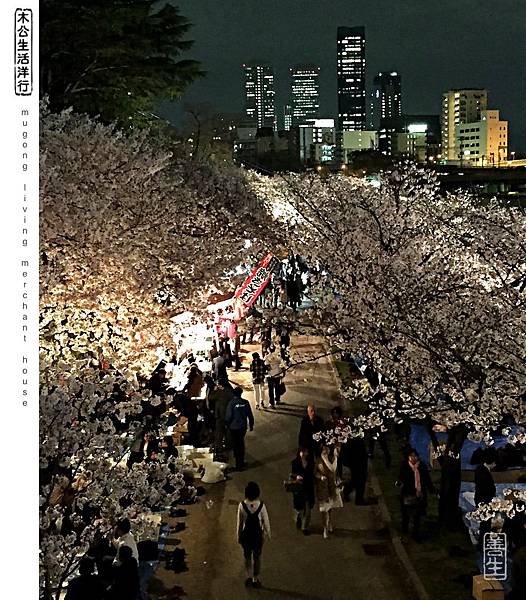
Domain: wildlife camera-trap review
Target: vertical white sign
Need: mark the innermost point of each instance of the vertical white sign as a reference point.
(19, 292)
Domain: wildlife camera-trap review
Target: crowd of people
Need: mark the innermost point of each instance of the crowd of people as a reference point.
(216, 414)
(288, 286)
(116, 561)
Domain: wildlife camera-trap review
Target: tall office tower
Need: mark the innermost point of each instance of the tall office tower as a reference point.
(458, 107)
(305, 94)
(351, 79)
(386, 98)
(259, 89)
(287, 117)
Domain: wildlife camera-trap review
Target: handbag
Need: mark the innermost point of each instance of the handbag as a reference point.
(410, 500)
(281, 388)
(293, 485)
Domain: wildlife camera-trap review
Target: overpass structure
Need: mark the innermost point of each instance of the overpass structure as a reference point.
(508, 183)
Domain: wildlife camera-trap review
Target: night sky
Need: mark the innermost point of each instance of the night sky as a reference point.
(435, 45)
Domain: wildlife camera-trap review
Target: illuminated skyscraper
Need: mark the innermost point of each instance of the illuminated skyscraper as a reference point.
(287, 117)
(259, 90)
(459, 107)
(351, 78)
(386, 98)
(304, 94)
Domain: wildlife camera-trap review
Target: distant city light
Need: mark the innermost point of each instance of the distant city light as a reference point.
(324, 123)
(417, 128)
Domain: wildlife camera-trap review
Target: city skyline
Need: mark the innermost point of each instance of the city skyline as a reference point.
(427, 45)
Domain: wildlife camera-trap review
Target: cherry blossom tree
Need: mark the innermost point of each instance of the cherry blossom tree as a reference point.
(130, 236)
(427, 289)
(85, 484)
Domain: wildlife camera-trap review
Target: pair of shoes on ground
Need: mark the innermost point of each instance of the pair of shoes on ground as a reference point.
(252, 582)
(263, 406)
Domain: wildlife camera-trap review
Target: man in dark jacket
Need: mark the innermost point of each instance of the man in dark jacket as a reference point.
(310, 424)
(355, 458)
(125, 584)
(238, 413)
(219, 367)
(86, 586)
(485, 489)
(223, 397)
(519, 575)
(258, 368)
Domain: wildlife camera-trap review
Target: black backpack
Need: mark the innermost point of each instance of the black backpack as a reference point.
(252, 534)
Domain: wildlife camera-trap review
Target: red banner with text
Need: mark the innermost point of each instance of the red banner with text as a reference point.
(257, 280)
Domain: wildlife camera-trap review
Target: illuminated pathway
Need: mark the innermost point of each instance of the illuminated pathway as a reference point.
(293, 565)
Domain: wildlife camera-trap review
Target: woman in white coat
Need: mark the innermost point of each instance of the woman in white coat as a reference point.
(328, 493)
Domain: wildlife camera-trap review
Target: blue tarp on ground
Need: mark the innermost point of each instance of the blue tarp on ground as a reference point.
(420, 440)
(467, 504)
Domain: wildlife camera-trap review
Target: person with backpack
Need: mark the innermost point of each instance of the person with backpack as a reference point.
(252, 525)
(238, 412)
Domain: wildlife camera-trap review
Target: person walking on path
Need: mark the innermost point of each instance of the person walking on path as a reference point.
(275, 372)
(302, 471)
(310, 424)
(223, 396)
(354, 457)
(328, 493)
(252, 525)
(284, 343)
(415, 482)
(258, 368)
(238, 413)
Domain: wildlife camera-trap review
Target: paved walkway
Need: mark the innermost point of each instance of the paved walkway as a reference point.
(355, 563)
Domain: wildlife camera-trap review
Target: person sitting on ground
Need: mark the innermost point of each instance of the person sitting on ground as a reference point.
(144, 448)
(124, 537)
(251, 527)
(195, 383)
(125, 584)
(310, 424)
(168, 447)
(158, 382)
(86, 586)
